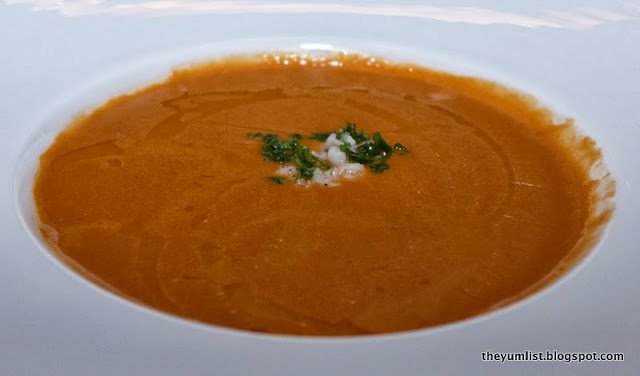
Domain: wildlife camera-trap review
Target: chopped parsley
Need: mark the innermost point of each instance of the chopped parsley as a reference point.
(358, 147)
(290, 150)
(350, 129)
(320, 136)
(277, 179)
(255, 135)
(371, 152)
(400, 148)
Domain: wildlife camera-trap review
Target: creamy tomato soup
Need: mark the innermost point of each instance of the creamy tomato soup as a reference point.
(166, 196)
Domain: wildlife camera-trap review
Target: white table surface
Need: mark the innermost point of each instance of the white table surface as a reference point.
(583, 58)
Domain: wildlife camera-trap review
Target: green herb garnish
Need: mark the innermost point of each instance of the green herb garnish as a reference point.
(254, 135)
(370, 151)
(277, 179)
(400, 148)
(292, 151)
(320, 136)
(350, 129)
(277, 150)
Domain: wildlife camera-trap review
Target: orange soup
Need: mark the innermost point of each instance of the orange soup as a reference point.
(168, 196)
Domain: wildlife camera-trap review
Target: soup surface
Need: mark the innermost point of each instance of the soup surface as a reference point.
(161, 197)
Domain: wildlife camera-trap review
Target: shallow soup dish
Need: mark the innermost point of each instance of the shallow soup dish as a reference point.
(313, 190)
